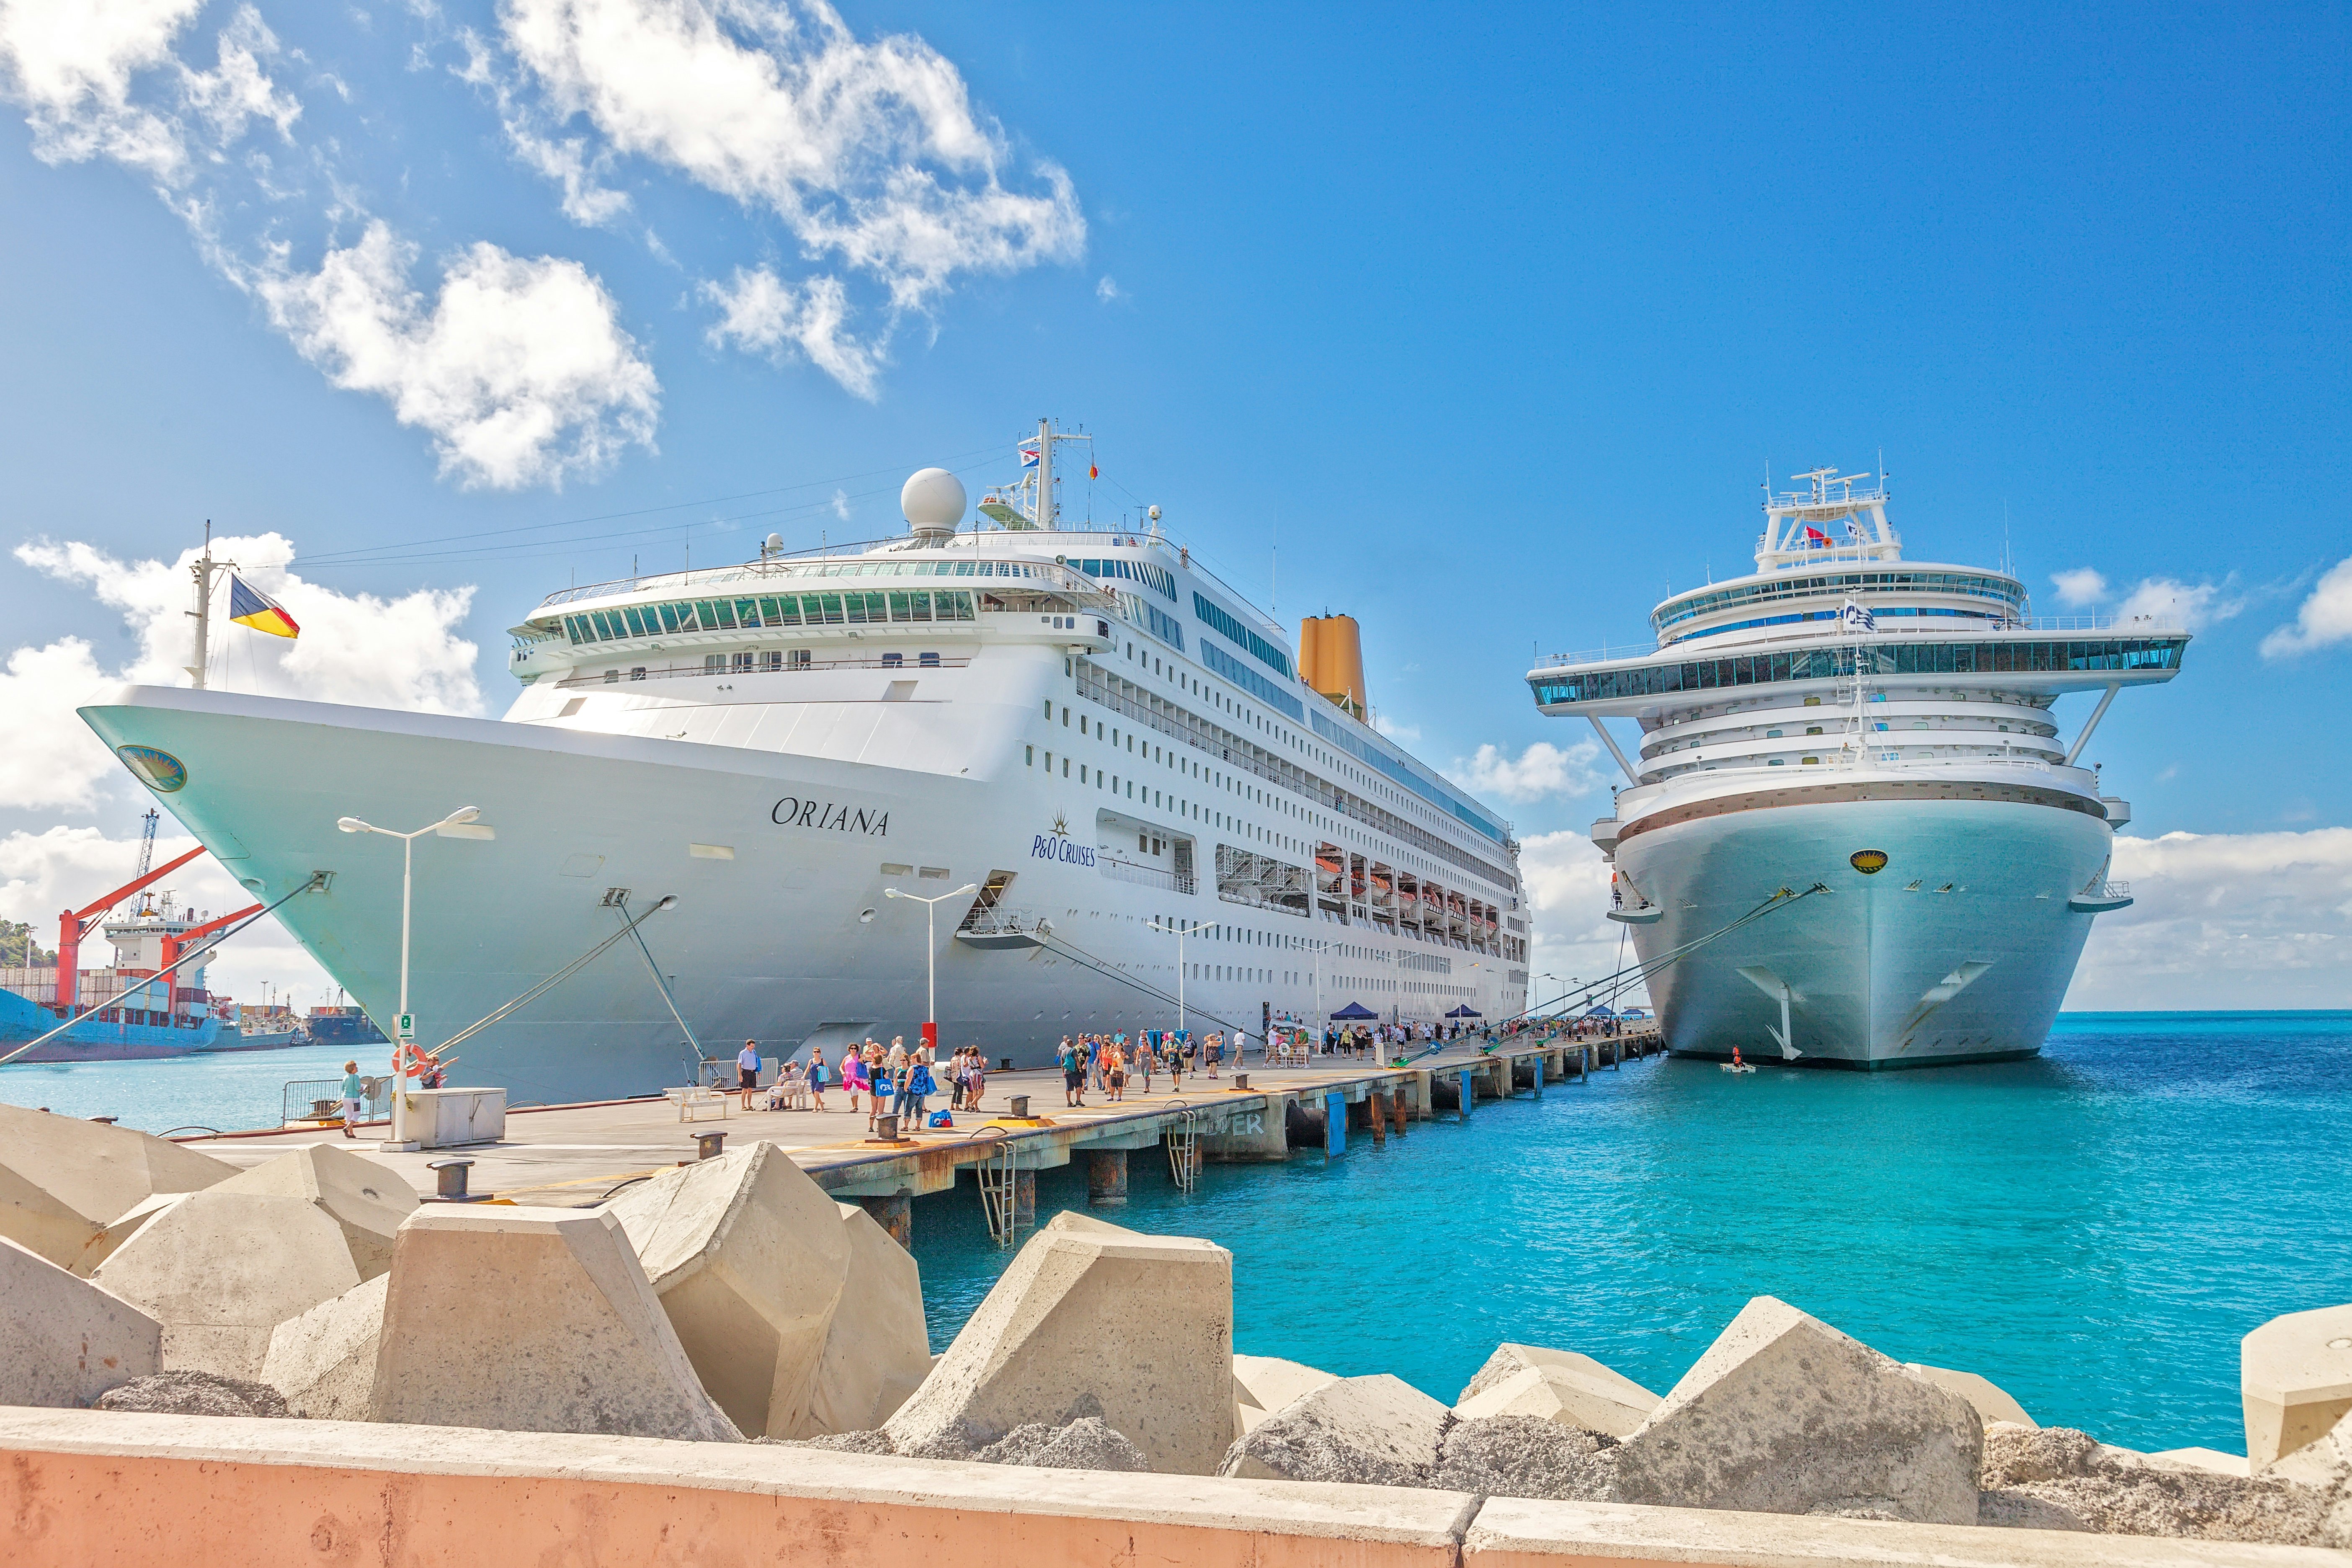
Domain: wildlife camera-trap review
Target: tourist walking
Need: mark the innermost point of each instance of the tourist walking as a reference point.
(355, 1091)
(920, 1087)
(1073, 1072)
(747, 1070)
(816, 1079)
(1213, 1047)
(852, 1075)
(1114, 1067)
(1143, 1060)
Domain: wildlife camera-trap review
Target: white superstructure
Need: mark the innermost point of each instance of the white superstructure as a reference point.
(1084, 725)
(1853, 834)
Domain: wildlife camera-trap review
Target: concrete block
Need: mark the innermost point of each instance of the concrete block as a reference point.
(1523, 1455)
(119, 1229)
(1373, 1431)
(366, 1199)
(220, 1270)
(2325, 1465)
(1785, 1415)
(1263, 1384)
(2212, 1461)
(876, 1349)
(1560, 1386)
(2059, 1478)
(62, 1179)
(1141, 1325)
(188, 1391)
(1088, 1443)
(1992, 1401)
(748, 1255)
(2295, 1376)
(63, 1341)
(532, 1320)
(324, 1361)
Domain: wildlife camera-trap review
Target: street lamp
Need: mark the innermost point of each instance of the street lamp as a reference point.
(931, 953)
(459, 824)
(1182, 932)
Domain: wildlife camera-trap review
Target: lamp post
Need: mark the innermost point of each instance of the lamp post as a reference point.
(458, 824)
(932, 954)
(1182, 932)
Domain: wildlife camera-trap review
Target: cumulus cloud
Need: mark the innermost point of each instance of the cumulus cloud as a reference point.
(2190, 605)
(358, 648)
(2082, 585)
(2325, 618)
(51, 758)
(41, 873)
(871, 153)
(1542, 770)
(1568, 890)
(762, 313)
(1107, 289)
(520, 369)
(2226, 921)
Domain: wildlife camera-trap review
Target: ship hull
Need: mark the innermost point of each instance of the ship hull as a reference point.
(781, 932)
(1882, 970)
(91, 1039)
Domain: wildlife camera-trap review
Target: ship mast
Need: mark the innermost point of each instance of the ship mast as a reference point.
(202, 570)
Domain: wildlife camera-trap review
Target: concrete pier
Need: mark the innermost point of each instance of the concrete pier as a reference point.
(573, 1155)
(895, 1215)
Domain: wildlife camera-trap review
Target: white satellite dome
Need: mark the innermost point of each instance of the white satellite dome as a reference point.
(933, 501)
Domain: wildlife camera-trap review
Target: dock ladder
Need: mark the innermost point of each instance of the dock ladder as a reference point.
(1000, 1188)
(1182, 1141)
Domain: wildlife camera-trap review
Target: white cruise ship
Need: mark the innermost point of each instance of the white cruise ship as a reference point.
(1855, 836)
(1104, 744)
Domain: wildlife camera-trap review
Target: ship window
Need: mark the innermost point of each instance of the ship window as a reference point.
(639, 673)
(770, 611)
(1812, 729)
(1813, 701)
(636, 623)
(899, 610)
(726, 614)
(799, 659)
(893, 660)
(1771, 734)
(772, 660)
(612, 676)
(1779, 761)
(708, 616)
(1812, 759)
(745, 662)
(921, 606)
(832, 606)
(1066, 767)
(856, 603)
(928, 661)
(669, 617)
(747, 612)
(1918, 723)
(714, 664)
(1029, 756)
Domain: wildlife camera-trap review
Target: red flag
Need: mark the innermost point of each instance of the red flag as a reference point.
(1093, 472)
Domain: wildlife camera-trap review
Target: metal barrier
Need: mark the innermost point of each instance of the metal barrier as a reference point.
(315, 1099)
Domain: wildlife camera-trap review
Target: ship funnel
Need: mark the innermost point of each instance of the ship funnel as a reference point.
(1332, 660)
(933, 502)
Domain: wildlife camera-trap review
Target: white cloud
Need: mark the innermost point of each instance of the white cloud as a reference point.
(871, 152)
(51, 758)
(2325, 616)
(1567, 891)
(2226, 921)
(358, 649)
(1396, 730)
(841, 503)
(586, 200)
(41, 873)
(519, 372)
(2190, 605)
(1108, 290)
(762, 313)
(2082, 585)
(1543, 769)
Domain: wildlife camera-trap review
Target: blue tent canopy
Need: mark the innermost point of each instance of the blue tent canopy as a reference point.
(1354, 1012)
(1465, 1011)
(1601, 1011)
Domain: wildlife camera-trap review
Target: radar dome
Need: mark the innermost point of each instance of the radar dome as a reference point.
(932, 500)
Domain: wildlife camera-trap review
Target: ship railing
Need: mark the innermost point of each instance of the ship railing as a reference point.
(998, 920)
(2114, 889)
(1119, 870)
(1814, 633)
(788, 563)
(751, 664)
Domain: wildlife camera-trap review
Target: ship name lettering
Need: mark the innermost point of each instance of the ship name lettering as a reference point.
(824, 815)
(1051, 846)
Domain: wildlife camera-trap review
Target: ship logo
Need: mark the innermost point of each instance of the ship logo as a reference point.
(1061, 825)
(1869, 862)
(159, 771)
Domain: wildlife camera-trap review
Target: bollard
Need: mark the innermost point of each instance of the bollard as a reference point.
(1004, 1064)
(1240, 1080)
(1020, 1107)
(449, 1179)
(709, 1145)
(886, 1128)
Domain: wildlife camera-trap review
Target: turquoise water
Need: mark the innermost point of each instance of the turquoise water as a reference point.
(2093, 1230)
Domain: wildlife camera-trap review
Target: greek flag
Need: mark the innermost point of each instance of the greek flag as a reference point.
(1857, 618)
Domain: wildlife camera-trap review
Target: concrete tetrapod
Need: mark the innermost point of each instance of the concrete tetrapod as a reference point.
(368, 1200)
(876, 1350)
(2295, 1376)
(1263, 1384)
(61, 1180)
(1095, 1319)
(1560, 1386)
(323, 1362)
(1373, 1431)
(63, 1341)
(747, 1255)
(220, 1270)
(532, 1319)
(1785, 1415)
(1990, 1400)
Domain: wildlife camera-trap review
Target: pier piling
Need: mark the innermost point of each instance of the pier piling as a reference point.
(895, 1215)
(1377, 1115)
(1335, 1123)
(1106, 1178)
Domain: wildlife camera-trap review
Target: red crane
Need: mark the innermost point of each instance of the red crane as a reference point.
(75, 924)
(175, 945)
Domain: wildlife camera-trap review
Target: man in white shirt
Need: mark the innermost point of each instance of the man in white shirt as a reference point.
(747, 1070)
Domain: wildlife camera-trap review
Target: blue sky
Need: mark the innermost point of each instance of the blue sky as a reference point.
(1494, 319)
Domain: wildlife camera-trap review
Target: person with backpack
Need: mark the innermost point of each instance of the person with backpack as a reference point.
(1073, 1072)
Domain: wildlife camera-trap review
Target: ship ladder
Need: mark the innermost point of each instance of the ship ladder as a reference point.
(1182, 1141)
(1000, 1189)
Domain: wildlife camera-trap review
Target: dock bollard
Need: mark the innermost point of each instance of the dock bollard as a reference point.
(709, 1145)
(1240, 1080)
(449, 1182)
(1020, 1107)
(886, 1128)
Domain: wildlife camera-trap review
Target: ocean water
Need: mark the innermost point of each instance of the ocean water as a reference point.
(2093, 1230)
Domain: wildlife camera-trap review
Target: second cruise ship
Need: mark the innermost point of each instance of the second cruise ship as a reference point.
(1854, 835)
(1127, 797)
